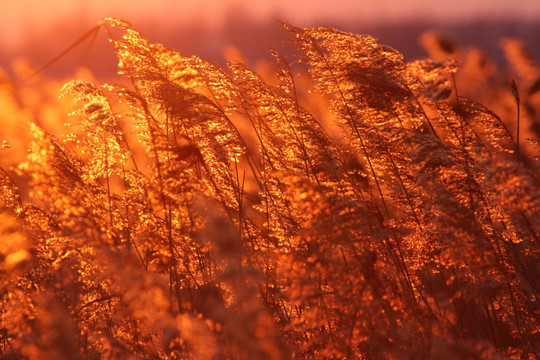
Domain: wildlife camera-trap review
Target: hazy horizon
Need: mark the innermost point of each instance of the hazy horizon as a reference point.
(20, 19)
(39, 31)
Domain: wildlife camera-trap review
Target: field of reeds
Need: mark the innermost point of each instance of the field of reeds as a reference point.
(339, 203)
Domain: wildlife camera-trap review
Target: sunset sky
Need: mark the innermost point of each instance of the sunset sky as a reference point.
(21, 18)
(39, 30)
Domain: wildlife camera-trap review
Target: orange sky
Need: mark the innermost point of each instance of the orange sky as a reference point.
(21, 18)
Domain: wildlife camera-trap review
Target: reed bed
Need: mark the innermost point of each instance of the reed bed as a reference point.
(207, 212)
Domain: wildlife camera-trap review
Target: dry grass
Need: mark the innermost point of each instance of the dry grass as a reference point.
(207, 213)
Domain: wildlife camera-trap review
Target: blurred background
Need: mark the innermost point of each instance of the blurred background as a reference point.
(216, 29)
(481, 35)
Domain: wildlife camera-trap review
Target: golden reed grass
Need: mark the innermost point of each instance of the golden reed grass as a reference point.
(201, 212)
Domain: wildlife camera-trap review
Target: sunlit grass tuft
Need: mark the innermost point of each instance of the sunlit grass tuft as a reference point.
(202, 212)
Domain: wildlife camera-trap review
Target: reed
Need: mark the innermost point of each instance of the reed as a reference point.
(201, 212)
